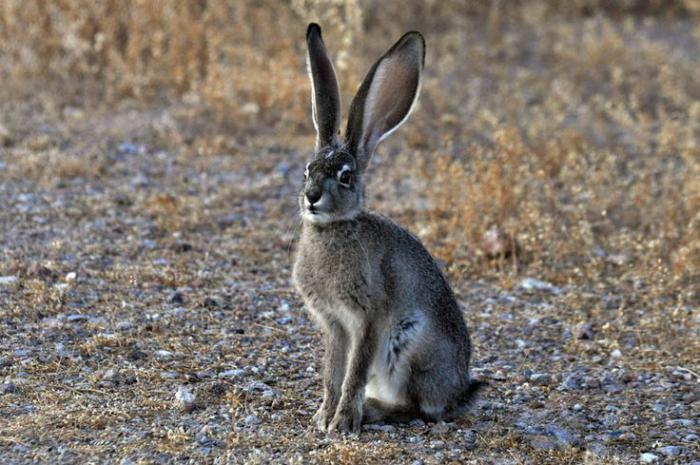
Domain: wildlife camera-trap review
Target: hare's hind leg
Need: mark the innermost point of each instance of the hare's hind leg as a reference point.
(443, 393)
(465, 400)
(376, 411)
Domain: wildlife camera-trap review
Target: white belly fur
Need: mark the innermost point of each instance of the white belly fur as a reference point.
(388, 375)
(388, 389)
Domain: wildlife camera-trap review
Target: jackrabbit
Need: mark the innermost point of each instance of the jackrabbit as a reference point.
(397, 347)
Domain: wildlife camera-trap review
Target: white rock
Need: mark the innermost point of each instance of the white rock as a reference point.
(530, 284)
(671, 451)
(7, 280)
(618, 259)
(257, 386)
(123, 325)
(71, 276)
(437, 445)
(682, 422)
(617, 353)
(648, 457)
(185, 399)
(162, 353)
(251, 420)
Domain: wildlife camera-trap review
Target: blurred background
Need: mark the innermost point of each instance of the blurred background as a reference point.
(151, 152)
(568, 127)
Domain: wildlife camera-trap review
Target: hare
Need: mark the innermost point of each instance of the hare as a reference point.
(396, 344)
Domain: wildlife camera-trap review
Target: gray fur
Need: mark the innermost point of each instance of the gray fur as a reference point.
(394, 331)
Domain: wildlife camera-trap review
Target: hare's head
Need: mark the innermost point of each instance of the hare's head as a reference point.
(333, 181)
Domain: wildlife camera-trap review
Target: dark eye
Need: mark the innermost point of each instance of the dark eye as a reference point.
(345, 178)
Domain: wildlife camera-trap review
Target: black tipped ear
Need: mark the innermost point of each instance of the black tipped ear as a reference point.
(325, 97)
(386, 97)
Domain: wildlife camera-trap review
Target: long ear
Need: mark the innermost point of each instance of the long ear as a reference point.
(325, 97)
(386, 97)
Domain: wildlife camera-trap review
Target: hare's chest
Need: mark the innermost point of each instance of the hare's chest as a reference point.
(324, 275)
(331, 283)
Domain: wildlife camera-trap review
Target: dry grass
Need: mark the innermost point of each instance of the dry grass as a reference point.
(573, 128)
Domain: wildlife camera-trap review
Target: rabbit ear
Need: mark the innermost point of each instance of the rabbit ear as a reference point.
(386, 97)
(325, 97)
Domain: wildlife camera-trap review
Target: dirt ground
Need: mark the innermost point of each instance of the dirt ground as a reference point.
(147, 313)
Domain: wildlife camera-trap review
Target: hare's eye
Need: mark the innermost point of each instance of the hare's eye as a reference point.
(345, 178)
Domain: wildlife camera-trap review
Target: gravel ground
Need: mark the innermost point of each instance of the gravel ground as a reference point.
(147, 316)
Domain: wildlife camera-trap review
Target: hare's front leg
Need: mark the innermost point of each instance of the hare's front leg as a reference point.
(333, 373)
(348, 415)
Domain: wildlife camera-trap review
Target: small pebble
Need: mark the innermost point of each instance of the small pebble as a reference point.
(681, 422)
(129, 148)
(110, 375)
(440, 428)
(177, 298)
(164, 353)
(542, 443)
(123, 325)
(470, 439)
(648, 457)
(284, 307)
(540, 379)
(597, 449)
(22, 353)
(185, 399)
(252, 420)
(671, 451)
(8, 388)
(530, 284)
(627, 436)
(658, 407)
(257, 386)
(571, 383)
(584, 331)
(380, 428)
(437, 444)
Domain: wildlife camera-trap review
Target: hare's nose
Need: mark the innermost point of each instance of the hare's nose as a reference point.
(313, 195)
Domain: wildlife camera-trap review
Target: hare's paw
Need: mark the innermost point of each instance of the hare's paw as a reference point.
(347, 420)
(323, 417)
